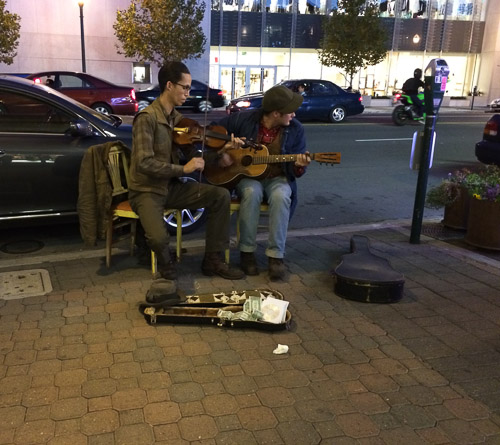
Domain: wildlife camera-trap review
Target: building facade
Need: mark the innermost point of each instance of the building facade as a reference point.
(254, 44)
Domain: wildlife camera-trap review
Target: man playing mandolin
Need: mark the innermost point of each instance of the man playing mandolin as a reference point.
(154, 173)
(274, 126)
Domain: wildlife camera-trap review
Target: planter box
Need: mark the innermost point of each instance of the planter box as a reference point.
(456, 215)
(483, 224)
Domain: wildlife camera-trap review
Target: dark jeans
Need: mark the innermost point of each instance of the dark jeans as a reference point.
(189, 195)
(419, 106)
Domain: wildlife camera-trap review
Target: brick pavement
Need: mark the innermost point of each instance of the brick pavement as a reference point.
(81, 366)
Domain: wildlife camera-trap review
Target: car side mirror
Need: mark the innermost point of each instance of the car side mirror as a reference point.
(80, 128)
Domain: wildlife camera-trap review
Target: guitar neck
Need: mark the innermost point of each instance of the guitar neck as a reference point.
(275, 159)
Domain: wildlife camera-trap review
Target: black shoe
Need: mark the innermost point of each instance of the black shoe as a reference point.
(276, 268)
(248, 263)
(213, 264)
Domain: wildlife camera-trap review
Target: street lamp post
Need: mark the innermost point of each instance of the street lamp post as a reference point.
(82, 36)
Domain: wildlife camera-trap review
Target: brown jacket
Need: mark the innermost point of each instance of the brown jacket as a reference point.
(154, 160)
(95, 192)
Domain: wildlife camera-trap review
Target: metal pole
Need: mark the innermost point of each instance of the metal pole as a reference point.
(423, 172)
(82, 36)
(423, 175)
(474, 93)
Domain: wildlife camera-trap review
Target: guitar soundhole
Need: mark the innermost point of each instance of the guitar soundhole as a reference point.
(246, 160)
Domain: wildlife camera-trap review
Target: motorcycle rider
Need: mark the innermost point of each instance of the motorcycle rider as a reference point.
(410, 88)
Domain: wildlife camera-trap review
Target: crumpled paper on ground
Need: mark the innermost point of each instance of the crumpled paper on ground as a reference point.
(281, 349)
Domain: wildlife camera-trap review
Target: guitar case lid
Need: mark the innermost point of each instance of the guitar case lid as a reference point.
(364, 276)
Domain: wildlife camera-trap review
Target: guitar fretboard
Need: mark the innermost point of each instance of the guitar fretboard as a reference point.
(273, 159)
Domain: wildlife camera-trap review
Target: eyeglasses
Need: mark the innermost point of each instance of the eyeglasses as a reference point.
(186, 88)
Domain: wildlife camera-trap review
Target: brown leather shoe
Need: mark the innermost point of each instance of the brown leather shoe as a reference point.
(276, 268)
(248, 263)
(166, 264)
(213, 264)
(169, 271)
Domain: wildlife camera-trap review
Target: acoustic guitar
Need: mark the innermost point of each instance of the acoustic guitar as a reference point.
(252, 163)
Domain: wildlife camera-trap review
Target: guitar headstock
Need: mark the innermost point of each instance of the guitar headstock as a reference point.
(326, 158)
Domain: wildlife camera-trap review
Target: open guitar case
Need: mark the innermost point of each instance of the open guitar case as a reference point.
(213, 309)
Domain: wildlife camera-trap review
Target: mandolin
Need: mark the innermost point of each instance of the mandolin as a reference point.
(252, 163)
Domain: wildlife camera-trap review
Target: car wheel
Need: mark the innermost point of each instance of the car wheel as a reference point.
(142, 104)
(337, 114)
(192, 219)
(102, 108)
(205, 105)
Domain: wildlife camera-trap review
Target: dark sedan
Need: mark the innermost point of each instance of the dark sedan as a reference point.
(488, 150)
(323, 100)
(197, 99)
(43, 137)
(495, 105)
(96, 93)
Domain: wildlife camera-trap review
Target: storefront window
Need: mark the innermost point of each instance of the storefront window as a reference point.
(312, 6)
(279, 6)
(251, 6)
(141, 73)
(465, 9)
(456, 9)
(229, 5)
(405, 9)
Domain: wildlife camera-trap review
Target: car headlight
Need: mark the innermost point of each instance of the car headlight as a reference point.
(243, 104)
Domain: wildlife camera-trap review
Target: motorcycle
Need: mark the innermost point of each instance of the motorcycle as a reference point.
(406, 111)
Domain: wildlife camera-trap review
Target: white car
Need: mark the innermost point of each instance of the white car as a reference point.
(495, 105)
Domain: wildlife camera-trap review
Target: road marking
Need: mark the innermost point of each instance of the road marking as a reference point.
(383, 140)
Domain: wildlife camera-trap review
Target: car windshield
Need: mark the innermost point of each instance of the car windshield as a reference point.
(287, 83)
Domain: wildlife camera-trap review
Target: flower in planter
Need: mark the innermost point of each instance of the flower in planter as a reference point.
(484, 184)
(448, 191)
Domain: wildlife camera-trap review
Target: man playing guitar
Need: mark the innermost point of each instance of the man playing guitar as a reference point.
(273, 125)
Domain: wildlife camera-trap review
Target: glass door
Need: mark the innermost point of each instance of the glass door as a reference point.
(238, 81)
(255, 80)
(268, 78)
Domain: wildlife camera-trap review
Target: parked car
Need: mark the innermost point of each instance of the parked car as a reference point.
(98, 94)
(43, 137)
(323, 100)
(197, 99)
(495, 105)
(488, 150)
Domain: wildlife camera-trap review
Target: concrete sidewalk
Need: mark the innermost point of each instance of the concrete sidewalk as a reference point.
(80, 365)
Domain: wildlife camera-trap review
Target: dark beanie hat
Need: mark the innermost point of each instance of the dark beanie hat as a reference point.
(282, 99)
